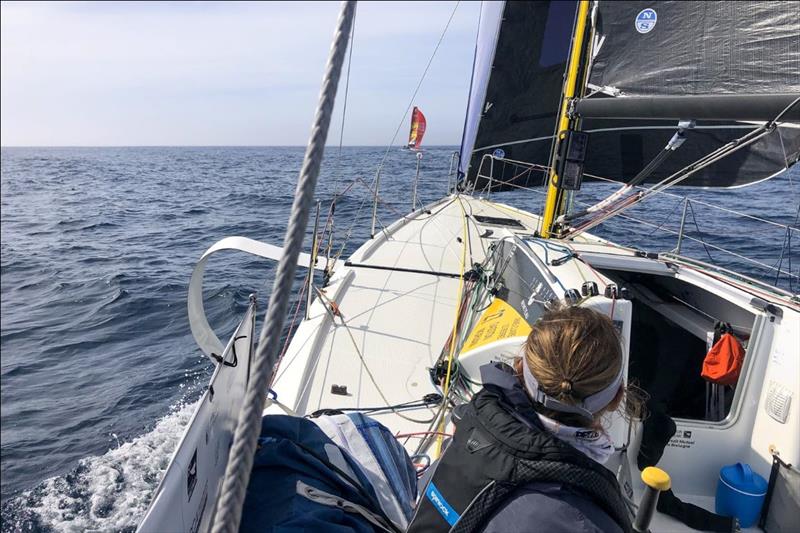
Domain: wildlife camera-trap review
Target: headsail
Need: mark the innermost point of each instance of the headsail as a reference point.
(656, 49)
(417, 129)
(520, 59)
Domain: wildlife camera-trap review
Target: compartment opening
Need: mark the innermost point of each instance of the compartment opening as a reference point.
(672, 331)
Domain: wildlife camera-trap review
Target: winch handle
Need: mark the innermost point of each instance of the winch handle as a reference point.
(655, 482)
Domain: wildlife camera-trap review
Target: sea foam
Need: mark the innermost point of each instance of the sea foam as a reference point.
(106, 493)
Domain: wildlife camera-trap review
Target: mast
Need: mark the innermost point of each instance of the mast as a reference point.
(553, 204)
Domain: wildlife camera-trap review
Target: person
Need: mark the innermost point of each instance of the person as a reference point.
(529, 448)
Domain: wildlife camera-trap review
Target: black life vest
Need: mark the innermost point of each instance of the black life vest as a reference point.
(496, 449)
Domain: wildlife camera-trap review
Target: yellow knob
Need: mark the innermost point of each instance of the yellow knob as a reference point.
(656, 478)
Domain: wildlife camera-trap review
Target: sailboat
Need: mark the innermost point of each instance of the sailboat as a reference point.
(696, 93)
(418, 125)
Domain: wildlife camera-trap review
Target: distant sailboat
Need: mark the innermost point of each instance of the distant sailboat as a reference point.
(417, 130)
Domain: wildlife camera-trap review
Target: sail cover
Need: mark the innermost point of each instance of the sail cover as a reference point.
(678, 49)
(417, 129)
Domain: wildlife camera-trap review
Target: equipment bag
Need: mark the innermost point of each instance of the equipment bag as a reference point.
(303, 481)
(723, 363)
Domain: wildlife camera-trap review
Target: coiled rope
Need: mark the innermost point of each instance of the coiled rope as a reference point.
(240, 460)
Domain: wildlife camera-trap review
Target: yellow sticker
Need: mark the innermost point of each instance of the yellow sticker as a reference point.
(499, 321)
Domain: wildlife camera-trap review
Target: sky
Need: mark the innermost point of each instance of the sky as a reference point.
(206, 73)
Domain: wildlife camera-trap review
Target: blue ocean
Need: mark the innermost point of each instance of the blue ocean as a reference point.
(99, 370)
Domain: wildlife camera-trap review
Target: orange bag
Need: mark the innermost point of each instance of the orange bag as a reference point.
(723, 363)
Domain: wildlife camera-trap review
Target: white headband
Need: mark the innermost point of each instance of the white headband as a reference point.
(590, 405)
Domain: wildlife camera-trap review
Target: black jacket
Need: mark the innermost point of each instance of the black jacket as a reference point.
(504, 472)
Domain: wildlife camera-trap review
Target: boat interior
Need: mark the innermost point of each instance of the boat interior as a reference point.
(672, 331)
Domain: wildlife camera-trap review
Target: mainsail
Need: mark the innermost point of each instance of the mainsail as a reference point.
(417, 129)
(739, 61)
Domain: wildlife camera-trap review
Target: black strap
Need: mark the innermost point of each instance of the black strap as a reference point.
(720, 329)
(773, 477)
(693, 516)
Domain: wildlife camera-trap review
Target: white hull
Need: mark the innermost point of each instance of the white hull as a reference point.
(397, 297)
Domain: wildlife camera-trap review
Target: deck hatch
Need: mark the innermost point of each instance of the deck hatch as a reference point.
(499, 221)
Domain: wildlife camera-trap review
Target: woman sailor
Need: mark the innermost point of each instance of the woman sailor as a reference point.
(528, 450)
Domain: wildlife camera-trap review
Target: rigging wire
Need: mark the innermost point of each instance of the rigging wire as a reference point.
(357, 217)
(405, 113)
(416, 90)
(679, 176)
(329, 221)
(700, 233)
(232, 493)
(667, 218)
(697, 201)
(347, 83)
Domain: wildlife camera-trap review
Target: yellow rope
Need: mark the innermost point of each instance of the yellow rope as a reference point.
(454, 335)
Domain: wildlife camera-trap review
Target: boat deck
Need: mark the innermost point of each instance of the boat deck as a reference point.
(397, 297)
(396, 301)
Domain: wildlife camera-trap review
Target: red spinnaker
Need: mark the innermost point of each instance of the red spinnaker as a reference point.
(417, 129)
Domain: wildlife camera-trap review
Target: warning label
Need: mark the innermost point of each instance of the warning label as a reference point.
(499, 321)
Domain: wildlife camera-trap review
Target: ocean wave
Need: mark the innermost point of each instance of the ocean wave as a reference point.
(106, 493)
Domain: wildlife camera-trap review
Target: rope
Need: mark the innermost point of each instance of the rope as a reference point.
(240, 463)
(453, 339)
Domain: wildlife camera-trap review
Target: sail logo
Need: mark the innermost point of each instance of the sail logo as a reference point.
(646, 20)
